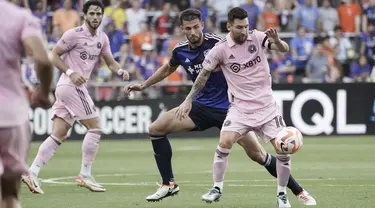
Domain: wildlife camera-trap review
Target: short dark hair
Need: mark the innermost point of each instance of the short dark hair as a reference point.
(236, 13)
(189, 15)
(89, 3)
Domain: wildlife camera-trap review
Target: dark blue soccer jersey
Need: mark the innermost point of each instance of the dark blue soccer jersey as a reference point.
(214, 94)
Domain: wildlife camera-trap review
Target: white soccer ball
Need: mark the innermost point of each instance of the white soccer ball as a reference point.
(289, 140)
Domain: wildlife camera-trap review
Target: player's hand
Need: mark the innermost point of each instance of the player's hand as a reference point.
(134, 87)
(272, 34)
(41, 99)
(125, 75)
(77, 78)
(184, 109)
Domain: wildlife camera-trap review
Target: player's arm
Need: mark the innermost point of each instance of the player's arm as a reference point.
(112, 64)
(163, 72)
(32, 42)
(199, 83)
(272, 41)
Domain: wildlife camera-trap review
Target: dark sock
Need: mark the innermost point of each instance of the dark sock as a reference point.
(163, 157)
(270, 165)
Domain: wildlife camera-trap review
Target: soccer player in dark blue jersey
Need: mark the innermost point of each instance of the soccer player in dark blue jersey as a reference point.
(209, 108)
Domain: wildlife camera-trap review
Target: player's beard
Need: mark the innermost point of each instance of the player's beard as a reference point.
(240, 38)
(195, 39)
(92, 24)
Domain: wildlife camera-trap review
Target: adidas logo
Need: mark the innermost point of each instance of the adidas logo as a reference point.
(187, 60)
(231, 56)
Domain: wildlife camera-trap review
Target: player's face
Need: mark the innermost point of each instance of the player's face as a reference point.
(239, 29)
(193, 30)
(94, 16)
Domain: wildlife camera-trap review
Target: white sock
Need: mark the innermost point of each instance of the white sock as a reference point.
(281, 189)
(35, 168)
(219, 185)
(85, 170)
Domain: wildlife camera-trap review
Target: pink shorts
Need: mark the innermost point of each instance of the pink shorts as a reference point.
(266, 123)
(14, 148)
(73, 103)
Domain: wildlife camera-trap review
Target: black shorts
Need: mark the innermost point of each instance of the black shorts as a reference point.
(206, 117)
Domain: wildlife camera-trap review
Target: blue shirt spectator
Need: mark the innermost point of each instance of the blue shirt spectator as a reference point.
(308, 16)
(253, 12)
(283, 66)
(148, 63)
(116, 38)
(361, 69)
(301, 47)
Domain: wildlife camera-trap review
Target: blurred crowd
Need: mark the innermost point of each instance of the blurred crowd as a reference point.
(331, 40)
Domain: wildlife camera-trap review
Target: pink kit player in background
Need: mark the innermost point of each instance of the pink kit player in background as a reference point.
(241, 57)
(19, 29)
(82, 48)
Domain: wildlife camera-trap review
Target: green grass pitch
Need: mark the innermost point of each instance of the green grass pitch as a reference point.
(338, 171)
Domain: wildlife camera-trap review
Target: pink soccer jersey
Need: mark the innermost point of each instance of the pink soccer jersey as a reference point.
(246, 70)
(16, 25)
(82, 51)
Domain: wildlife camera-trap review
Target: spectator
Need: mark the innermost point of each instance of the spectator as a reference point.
(66, 18)
(135, 16)
(308, 17)
(41, 14)
(368, 43)
(177, 37)
(318, 68)
(360, 72)
(115, 12)
(164, 22)
(301, 48)
(270, 18)
(350, 16)
(253, 12)
(368, 15)
(344, 49)
(137, 40)
(329, 17)
(282, 66)
(116, 40)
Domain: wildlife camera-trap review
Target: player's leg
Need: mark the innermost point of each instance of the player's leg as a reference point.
(15, 144)
(45, 152)
(220, 164)
(257, 153)
(90, 147)
(158, 130)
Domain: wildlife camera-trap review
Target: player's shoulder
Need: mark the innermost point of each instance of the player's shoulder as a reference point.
(181, 45)
(213, 37)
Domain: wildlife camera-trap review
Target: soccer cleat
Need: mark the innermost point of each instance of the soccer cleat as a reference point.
(163, 192)
(282, 201)
(213, 195)
(89, 183)
(32, 182)
(306, 199)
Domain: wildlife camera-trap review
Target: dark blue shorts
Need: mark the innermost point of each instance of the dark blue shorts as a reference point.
(206, 117)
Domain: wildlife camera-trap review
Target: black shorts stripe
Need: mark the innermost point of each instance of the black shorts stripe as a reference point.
(264, 41)
(84, 102)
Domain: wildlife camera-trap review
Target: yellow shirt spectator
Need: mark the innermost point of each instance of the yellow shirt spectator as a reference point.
(117, 14)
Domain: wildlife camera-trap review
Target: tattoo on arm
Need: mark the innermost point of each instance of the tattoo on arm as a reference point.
(199, 83)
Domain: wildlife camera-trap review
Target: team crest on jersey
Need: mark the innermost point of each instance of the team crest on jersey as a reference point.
(235, 67)
(206, 52)
(79, 29)
(227, 123)
(99, 45)
(83, 55)
(252, 48)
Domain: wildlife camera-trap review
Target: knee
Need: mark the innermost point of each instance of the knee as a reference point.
(283, 157)
(226, 143)
(61, 133)
(257, 156)
(157, 130)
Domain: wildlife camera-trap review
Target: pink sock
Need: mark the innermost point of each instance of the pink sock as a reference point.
(90, 147)
(46, 150)
(220, 166)
(283, 164)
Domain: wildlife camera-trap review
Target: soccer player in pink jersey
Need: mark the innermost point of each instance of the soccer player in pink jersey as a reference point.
(19, 29)
(82, 48)
(241, 57)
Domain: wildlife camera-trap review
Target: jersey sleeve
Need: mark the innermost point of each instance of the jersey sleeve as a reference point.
(262, 38)
(106, 50)
(213, 59)
(173, 61)
(67, 41)
(31, 27)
